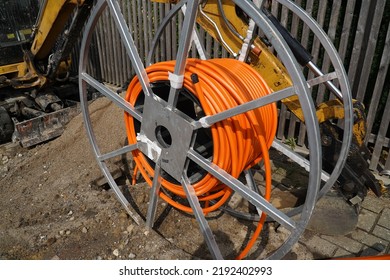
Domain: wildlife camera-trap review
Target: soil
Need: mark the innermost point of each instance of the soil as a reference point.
(55, 204)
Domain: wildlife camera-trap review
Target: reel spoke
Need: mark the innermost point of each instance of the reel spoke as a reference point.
(129, 45)
(184, 45)
(198, 212)
(121, 151)
(305, 163)
(154, 191)
(113, 96)
(253, 197)
(240, 109)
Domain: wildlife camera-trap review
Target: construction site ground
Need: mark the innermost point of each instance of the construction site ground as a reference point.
(55, 204)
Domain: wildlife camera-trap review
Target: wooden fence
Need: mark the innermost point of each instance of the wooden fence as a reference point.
(359, 29)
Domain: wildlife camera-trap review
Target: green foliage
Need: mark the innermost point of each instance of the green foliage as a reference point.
(292, 142)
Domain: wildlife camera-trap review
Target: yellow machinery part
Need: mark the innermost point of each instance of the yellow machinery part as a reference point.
(53, 19)
(16, 69)
(55, 15)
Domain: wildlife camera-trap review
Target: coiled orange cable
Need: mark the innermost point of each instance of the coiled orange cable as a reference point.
(238, 142)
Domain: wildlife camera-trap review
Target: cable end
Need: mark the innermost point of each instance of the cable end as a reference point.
(194, 78)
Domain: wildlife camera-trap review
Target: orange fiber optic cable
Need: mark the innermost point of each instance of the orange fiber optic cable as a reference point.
(238, 142)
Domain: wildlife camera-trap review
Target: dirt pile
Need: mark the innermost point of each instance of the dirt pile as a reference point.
(56, 205)
(50, 207)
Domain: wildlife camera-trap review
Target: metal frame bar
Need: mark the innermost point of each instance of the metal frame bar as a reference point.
(252, 185)
(204, 226)
(130, 47)
(154, 191)
(184, 47)
(251, 196)
(121, 151)
(243, 108)
(113, 96)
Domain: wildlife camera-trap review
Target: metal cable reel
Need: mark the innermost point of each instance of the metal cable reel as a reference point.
(195, 125)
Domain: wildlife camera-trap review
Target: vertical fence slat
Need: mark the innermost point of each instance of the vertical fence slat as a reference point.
(146, 29)
(150, 25)
(283, 113)
(168, 35)
(124, 57)
(346, 28)
(373, 35)
(100, 52)
(116, 53)
(387, 164)
(320, 18)
(334, 18)
(379, 85)
(162, 39)
(109, 51)
(174, 36)
(359, 45)
(155, 26)
(133, 16)
(379, 143)
(295, 22)
(103, 46)
(306, 31)
(128, 69)
(121, 55)
(140, 33)
(275, 8)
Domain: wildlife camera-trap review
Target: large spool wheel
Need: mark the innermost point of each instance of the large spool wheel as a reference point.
(188, 141)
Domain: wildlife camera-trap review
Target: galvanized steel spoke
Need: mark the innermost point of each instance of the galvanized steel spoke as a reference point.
(122, 199)
(121, 151)
(153, 197)
(243, 108)
(184, 46)
(204, 226)
(326, 79)
(252, 185)
(129, 45)
(240, 188)
(113, 96)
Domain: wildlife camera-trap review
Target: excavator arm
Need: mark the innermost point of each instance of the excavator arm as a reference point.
(47, 56)
(35, 85)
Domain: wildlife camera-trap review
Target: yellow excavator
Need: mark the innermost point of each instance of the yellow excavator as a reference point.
(35, 82)
(37, 96)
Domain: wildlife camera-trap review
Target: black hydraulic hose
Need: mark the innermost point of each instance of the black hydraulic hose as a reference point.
(301, 54)
(303, 57)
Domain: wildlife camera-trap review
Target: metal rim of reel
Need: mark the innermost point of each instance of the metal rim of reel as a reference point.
(344, 93)
(300, 87)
